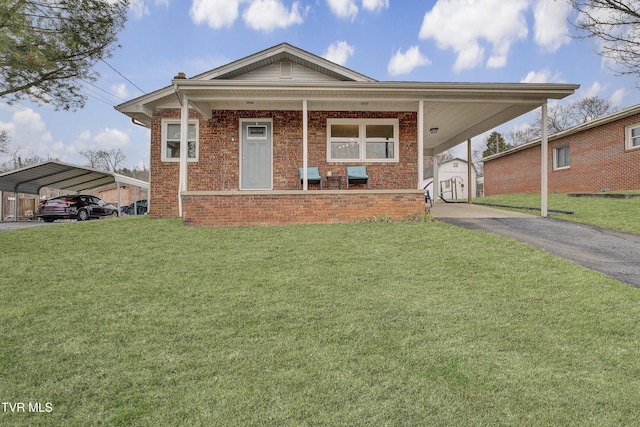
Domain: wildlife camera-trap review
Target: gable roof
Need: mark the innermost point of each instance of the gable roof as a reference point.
(457, 111)
(283, 52)
(610, 118)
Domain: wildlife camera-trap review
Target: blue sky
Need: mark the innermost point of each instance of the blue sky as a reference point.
(389, 40)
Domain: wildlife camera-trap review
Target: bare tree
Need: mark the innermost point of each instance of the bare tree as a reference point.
(94, 159)
(616, 25)
(591, 108)
(114, 159)
(521, 136)
(565, 116)
(109, 160)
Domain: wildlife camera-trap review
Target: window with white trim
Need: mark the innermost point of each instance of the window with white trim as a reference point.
(362, 140)
(632, 137)
(171, 140)
(561, 158)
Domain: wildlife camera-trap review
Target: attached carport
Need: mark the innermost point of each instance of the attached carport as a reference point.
(61, 176)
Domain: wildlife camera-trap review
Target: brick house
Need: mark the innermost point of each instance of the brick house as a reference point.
(227, 144)
(603, 154)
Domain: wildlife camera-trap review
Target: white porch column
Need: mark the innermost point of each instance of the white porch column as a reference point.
(184, 149)
(470, 183)
(420, 143)
(436, 180)
(305, 146)
(544, 162)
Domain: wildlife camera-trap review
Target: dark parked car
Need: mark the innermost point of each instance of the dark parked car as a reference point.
(81, 207)
(139, 208)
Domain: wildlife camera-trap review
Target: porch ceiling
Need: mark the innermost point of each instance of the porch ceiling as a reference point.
(458, 110)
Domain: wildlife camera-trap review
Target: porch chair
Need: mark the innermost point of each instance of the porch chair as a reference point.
(357, 175)
(313, 176)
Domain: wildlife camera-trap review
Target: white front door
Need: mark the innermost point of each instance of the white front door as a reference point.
(256, 165)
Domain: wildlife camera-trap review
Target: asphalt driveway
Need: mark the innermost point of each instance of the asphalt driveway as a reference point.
(14, 225)
(613, 253)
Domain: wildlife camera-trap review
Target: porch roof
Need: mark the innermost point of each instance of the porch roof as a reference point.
(459, 111)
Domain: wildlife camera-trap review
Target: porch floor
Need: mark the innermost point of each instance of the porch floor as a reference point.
(465, 210)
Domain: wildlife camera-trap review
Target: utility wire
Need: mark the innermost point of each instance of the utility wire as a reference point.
(103, 90)
(121, 75)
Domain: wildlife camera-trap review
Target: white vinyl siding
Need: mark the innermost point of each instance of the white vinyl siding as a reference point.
(274, 72)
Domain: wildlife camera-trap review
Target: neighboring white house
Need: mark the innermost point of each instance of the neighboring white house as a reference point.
(452, 180)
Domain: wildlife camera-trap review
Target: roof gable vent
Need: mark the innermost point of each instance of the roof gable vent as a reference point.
(286, 70)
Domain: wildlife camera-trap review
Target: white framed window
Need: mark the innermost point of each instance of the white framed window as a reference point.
(632, 137)
(171, 140)
(362, 140)
(561, 158)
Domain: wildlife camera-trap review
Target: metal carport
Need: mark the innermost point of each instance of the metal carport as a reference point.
(62, 176)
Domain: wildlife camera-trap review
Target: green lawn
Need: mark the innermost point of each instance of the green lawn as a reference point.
(145, 322)
(617, 214)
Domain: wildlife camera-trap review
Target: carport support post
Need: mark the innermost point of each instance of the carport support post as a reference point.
(118, 187)
(436, 179)
(544, 162)
(469, 183)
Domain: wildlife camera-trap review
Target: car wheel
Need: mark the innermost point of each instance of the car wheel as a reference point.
(83, 215)
(114, 214)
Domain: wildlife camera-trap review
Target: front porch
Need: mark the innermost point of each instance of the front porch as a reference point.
(286, 207)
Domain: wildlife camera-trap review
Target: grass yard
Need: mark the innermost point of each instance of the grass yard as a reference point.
(146, 322)
(616, 214)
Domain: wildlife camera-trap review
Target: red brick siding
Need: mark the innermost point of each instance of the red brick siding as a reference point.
(598, 160)
(318, 207)
(515, 173)
(217, 168)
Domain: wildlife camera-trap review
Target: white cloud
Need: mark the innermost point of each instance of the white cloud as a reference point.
(267, 15)
(216, 13)
(28, 134)
(542, 76)
(594, 90)
(139, 8)
(551, 28)
(617, 97)
(343, 8)
(120, 90)
(110, 138)
(375, 5)
(339, 52)
(465, 25)
(404, 63)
